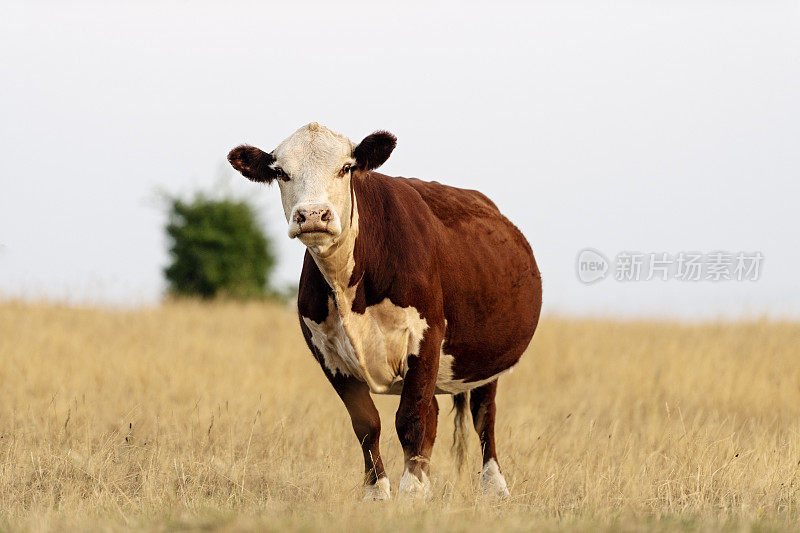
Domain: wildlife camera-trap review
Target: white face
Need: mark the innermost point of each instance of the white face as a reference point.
(315, 185)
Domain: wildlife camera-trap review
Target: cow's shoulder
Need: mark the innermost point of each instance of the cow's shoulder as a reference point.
(396, 251)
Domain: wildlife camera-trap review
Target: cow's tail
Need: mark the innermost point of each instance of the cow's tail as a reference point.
(461, 428)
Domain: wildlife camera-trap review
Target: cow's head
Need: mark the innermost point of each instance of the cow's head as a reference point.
(314, 167)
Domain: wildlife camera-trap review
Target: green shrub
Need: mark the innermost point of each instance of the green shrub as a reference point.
(217, 249)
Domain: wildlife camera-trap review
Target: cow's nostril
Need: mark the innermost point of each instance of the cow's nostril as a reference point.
(326, 216)
(299, 217)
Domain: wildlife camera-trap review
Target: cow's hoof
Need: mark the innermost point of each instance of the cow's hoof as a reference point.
(412, 488)
(492, 481)
(378, 491)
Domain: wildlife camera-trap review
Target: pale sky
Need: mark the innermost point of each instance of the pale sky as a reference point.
(647, 126)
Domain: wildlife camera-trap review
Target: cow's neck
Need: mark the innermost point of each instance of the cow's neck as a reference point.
(336, 265)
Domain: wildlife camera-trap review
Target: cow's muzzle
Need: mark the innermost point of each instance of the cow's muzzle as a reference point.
(313, 218)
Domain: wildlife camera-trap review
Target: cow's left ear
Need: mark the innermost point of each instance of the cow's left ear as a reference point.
(374, 150)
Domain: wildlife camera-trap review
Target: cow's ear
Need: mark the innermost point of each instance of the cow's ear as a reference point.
(253, 163)
(374, 150)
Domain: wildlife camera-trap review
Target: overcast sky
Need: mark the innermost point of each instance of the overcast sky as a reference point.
(628, 126)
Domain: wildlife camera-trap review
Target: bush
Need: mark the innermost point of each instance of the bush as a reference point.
(217, 249)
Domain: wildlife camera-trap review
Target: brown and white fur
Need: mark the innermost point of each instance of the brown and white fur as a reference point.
(408, 287)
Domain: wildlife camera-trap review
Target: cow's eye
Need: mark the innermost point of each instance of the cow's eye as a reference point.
(345, 169)
(282, 175)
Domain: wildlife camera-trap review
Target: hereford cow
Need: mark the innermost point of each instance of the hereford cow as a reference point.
(409, 287)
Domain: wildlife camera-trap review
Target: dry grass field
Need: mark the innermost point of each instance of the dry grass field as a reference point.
(206, 416)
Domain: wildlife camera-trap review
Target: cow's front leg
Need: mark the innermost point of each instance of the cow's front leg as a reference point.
(367, 425)
(416, 416)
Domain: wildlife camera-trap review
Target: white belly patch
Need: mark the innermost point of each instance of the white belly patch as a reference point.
(373, 347)
(446, 383)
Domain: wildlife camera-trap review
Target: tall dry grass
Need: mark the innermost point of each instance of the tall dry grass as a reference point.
(195, 415)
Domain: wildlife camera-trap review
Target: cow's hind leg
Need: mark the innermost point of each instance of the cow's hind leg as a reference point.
(483, 409)
(367, 426)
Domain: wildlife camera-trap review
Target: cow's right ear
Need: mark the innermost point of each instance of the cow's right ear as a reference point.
(253, 163)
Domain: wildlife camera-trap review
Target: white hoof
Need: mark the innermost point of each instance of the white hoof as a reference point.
(493, 482)
(378, 491)
(412, 488)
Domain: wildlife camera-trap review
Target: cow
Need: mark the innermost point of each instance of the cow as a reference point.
(408, 287)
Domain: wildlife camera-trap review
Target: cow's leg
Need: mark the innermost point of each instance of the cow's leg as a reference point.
(416, 417)
(483, 410)
(367, 425)
(430, 435)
